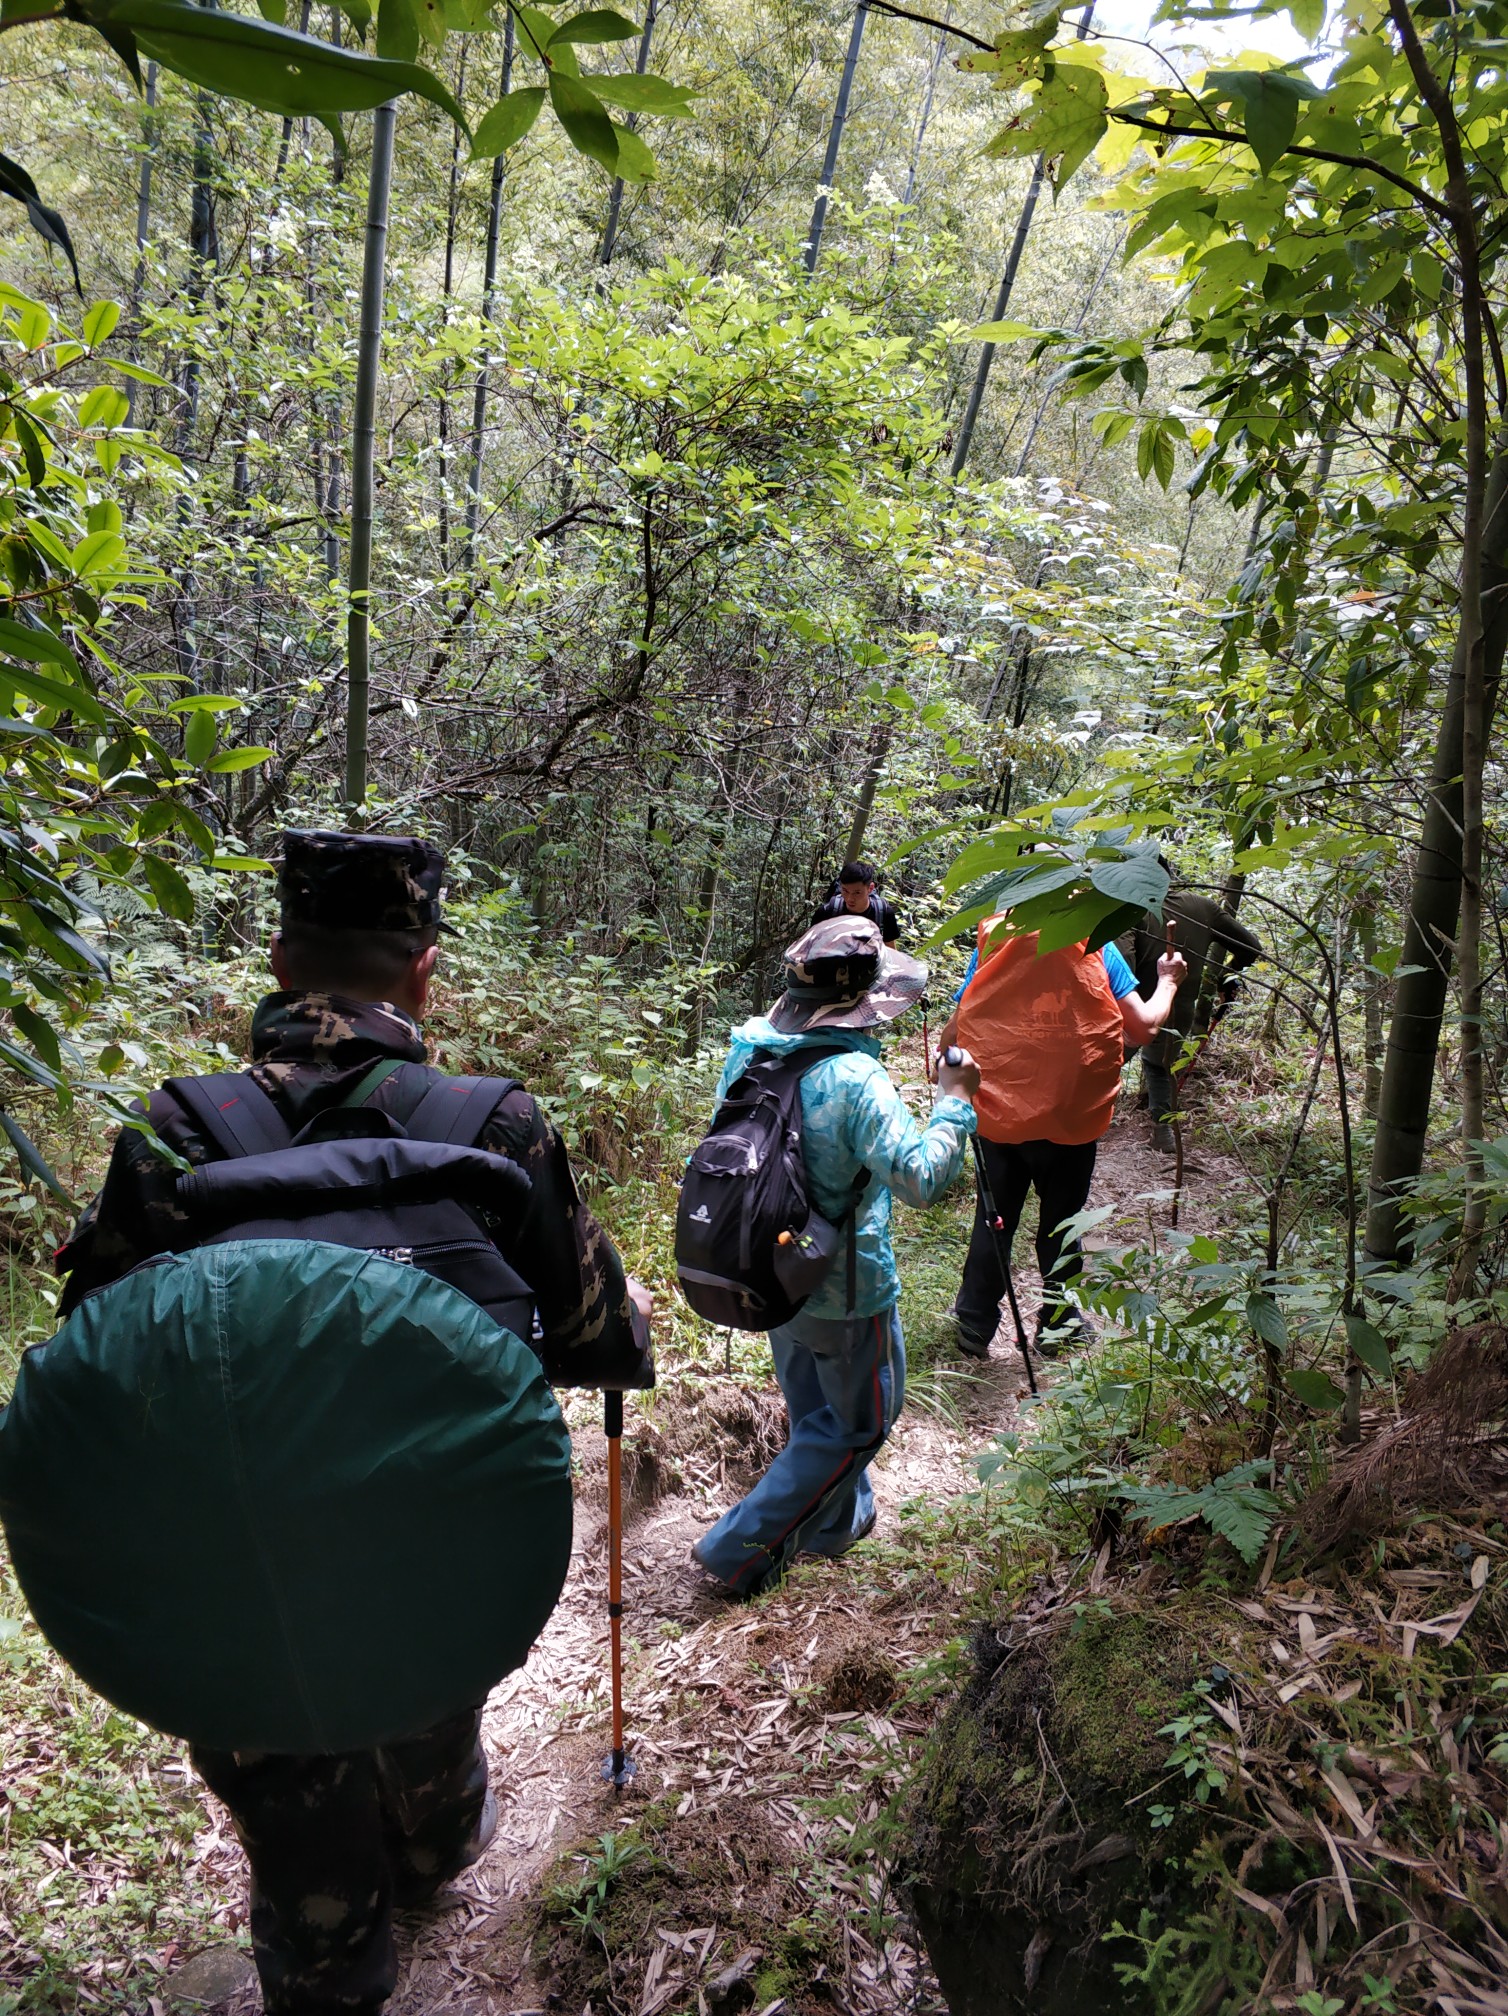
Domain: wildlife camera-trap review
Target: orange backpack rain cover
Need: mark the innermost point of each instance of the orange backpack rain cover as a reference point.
(1047, 1037)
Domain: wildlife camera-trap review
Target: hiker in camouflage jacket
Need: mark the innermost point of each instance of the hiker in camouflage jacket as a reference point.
(335, 1842)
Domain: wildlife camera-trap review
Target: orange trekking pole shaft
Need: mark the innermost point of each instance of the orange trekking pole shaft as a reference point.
(617, 1768)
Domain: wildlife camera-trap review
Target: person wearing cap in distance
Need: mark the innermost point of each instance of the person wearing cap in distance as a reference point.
(1050, 1032)
(856, 893)
(334, 1842)
(841, 1368)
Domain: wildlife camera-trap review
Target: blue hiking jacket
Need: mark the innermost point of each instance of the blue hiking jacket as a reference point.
(853, 1118)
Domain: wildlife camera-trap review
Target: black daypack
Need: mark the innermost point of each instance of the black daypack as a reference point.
(750, 1247)
(419, 1191)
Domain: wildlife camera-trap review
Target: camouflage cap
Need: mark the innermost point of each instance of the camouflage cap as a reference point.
(841, 975)
(360, 882)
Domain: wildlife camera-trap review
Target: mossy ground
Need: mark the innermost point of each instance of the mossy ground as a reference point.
(724, 1873)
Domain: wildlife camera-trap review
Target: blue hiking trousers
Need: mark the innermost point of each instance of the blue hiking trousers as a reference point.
(844, 1385)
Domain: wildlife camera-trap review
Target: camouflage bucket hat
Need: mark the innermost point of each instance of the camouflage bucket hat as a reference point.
(361, 882)
(842, 975)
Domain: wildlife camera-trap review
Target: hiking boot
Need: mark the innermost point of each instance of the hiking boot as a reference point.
(1163, 1140)
(1067, 1330)
(972, 1342)
(709, 1583)
(411, 1889)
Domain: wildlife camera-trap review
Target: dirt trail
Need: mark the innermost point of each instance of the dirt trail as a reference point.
(743, 1719)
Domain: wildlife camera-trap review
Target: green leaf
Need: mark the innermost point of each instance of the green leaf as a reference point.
(646, 94)
(33, 447)
(29, 1156)
(46, 222)
(1314, 1389)
(53, 693)
(41, 646)
(1242, 1516)
(1140, 879)
(597, 24)
(635, 162)
(1369, 1345)
(1266, 1318)
(173, 894)
(274, 68)
(98, 553)
(1270, 100)
(586, 123)
(100, 321)
(273, 10)
(1162, 455)
(507, 123)
(238, 759)
(397, 30)
(39, 1033)
(199, 739)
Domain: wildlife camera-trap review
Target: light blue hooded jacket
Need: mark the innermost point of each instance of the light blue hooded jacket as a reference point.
(853, 1118)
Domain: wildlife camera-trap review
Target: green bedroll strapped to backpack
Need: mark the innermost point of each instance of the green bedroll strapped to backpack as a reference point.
(283, 1493)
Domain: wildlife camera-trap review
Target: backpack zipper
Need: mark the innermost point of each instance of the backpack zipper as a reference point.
(406, 1255)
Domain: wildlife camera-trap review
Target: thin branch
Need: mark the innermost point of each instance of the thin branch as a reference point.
(931, 21)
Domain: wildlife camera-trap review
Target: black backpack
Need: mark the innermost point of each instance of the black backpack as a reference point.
(418, 1191)
(750, 1248)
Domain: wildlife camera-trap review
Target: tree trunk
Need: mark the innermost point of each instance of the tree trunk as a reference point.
(363, 453)
(879, 749)
(1373, 1001)
(834, 140)
(615, 201)
(1429, 939)
(921, 124)
(452, 206)
(1007, 283)
(489, 294)
(203, 253)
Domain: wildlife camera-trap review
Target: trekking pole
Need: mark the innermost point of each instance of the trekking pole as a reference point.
(617, 1768)
(953, 1057)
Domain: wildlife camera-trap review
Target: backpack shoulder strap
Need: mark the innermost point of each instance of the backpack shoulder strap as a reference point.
(233, 1111)
(457, 1110)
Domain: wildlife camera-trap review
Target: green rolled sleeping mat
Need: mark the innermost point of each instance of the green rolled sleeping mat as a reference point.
(284, 1495)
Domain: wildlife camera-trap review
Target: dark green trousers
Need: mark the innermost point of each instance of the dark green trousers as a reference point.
(334, 1842)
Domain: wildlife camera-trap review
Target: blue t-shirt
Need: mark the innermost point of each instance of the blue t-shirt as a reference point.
(1122, 979)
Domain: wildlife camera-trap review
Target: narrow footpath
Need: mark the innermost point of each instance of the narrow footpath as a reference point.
(769, 1738)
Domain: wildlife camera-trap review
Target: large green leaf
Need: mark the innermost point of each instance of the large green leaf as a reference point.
(1266, 1318)
(585, 120)
(598, 24)
(1270, 101)
(646, 94)
(1315, 1389)
(29, 1156)
(45, 221)
(53, 693)
(1369, 1345)
(274, 68)
(1140, 878)
(397, 30)
(507, 123)
(635, 162)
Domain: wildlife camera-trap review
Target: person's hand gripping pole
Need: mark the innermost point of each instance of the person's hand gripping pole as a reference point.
(954, 1057)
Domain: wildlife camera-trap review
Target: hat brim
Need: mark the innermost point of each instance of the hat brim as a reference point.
(899, 985)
